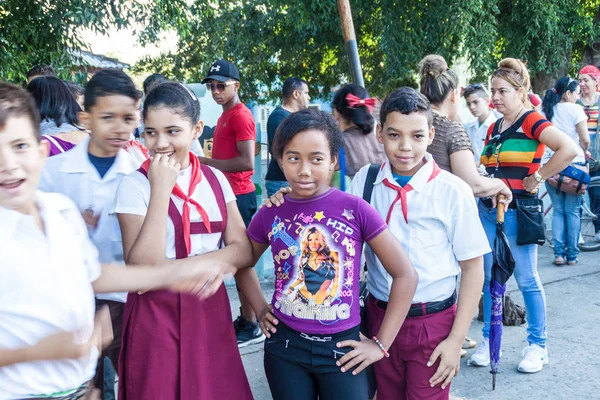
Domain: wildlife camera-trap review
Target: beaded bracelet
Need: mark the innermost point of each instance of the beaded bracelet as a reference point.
(378, 343)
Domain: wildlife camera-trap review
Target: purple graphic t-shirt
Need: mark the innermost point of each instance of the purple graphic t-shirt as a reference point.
(316, 245)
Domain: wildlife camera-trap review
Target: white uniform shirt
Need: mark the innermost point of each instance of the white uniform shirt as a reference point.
(133, 197)
(44, 289)
(443, 228)
(566, 117)
(477, 133)
(73, 174)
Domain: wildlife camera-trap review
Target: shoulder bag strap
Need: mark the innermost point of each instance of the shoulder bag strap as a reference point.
(370, 182)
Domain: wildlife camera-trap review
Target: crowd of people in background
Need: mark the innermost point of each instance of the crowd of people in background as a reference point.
(105, 191)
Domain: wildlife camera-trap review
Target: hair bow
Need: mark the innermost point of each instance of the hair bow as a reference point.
(355, 102)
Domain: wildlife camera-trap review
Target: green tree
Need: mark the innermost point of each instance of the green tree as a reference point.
(274, 39)
(39, 31)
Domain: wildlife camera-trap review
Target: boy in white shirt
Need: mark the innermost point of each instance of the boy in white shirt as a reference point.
(434, 215)
(50, 271)
(478, 102)
(90, 174)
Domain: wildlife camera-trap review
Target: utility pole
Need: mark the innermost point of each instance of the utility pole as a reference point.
(350, 41)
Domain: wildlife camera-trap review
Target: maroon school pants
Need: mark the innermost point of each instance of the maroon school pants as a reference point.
(405, 374)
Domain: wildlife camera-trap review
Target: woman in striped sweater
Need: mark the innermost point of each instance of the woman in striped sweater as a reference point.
(513, 152)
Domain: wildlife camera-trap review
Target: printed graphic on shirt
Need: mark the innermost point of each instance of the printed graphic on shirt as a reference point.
(315, 267)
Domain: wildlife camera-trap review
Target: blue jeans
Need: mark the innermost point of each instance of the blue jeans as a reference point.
(566, 222)
(525, 274)
(273, 187)
(594, 194)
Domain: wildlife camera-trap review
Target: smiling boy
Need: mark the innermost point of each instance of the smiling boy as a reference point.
(432, 213)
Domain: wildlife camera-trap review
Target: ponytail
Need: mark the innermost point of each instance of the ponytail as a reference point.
(554, 96)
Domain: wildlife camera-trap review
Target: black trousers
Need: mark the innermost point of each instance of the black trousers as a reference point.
(247, 205)
(302, 369)
(112, 352)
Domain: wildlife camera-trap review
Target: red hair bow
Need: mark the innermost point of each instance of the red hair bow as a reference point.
(355, 102)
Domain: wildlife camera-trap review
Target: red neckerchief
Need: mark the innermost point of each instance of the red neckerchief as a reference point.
(402, 191)
(187, 199)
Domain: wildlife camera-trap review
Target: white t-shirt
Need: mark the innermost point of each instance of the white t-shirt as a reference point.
(133, 197)
(45, 288)
(566, 117)
(443, 228)
(477, 133)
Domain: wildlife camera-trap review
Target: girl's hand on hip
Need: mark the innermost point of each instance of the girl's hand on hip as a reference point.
(365, 352)
(267, 321)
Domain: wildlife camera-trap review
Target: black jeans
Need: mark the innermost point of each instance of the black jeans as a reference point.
(247, 205)
(298, 368)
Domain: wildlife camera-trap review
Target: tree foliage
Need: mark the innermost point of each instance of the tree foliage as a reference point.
(42, 32)
(270, 40)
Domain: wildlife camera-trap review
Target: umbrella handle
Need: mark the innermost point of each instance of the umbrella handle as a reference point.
(500, 208)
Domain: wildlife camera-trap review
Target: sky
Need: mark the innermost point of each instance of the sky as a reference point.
(122, 44)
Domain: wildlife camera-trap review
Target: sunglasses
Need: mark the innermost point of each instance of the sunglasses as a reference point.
(586, 110)
(219, 86)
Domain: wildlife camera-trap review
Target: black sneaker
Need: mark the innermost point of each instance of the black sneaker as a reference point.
(247, 332)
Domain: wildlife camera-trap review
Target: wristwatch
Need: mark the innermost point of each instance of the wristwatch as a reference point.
(538, 177)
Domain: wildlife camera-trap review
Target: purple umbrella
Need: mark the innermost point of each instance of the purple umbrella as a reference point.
(502, 269)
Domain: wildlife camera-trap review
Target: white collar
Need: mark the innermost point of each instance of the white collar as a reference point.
(418, 180)
(78, 161)
(11, 219)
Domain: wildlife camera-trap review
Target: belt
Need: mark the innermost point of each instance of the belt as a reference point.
(319, 337)
(420, 309)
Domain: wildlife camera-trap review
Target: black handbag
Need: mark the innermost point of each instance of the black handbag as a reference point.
(531, 228)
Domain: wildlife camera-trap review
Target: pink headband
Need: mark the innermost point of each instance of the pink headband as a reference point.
(592, 71)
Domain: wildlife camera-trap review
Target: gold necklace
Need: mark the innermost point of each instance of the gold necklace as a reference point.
(514, 119)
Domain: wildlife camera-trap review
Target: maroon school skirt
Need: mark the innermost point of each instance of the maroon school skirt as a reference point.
(176, 347)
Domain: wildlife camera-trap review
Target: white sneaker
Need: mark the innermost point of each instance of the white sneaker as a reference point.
(534, 359)
(481, 357)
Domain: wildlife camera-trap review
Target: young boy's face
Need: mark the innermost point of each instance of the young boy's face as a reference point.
(22, 158)
(478, 105)
(405, 138)
(111, 120)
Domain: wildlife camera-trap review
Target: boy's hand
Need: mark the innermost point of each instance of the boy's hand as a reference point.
(63, 345)
(163, 173)
(60, 346)
(277, 199)
(90, 219)
(365, 353)
(449, 354)
(267, 321)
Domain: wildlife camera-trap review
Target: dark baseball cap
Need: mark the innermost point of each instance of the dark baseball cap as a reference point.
(222, 71)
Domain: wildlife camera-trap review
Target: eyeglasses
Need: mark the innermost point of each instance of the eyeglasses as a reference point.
(219, 86)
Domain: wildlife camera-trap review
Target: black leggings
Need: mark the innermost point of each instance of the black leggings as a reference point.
(302, 369)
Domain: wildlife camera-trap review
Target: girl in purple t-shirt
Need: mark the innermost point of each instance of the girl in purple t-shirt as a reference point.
(316, 237)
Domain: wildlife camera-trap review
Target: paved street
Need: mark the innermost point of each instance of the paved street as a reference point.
(573, 323)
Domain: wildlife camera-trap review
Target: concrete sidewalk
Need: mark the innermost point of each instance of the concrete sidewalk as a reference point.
(573, 310)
